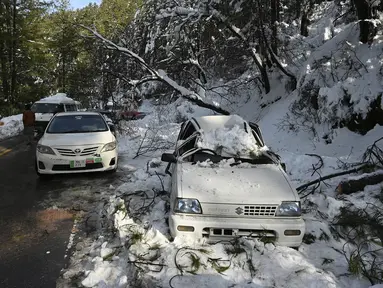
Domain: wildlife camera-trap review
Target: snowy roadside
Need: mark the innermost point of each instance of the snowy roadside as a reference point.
(135, 247)
(11, 126)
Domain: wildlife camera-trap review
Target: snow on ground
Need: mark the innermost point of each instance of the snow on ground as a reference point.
(13, 125)
(140, 252)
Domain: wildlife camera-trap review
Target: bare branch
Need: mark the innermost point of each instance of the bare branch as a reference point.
(333, 176)
(160, 75)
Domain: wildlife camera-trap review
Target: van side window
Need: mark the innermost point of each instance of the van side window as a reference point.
(60, 108)
(70, 107)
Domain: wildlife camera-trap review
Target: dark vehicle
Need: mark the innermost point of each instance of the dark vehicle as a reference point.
(132, 115)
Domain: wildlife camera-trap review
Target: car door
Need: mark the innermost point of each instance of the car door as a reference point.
(187, 129)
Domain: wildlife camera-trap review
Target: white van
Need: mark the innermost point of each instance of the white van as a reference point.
(44, 109)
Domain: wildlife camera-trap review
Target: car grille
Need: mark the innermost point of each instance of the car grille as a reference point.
(67, 167)
(69, 152)
(240, 210)
(89, 151)
(259, 210)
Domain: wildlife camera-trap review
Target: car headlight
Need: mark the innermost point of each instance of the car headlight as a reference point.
(109, 147)
(191, 206)
(45, 150)
(289, 209)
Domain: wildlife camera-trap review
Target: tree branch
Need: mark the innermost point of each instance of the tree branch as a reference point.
(333, 176)
(237, 32)
(160, 75)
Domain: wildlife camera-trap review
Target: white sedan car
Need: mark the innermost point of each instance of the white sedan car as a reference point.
(218, 193)
(76, 142)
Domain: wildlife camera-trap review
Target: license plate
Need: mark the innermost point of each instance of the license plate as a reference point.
(77, 164)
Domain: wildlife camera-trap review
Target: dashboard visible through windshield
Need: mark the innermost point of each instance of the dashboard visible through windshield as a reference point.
(77, 124)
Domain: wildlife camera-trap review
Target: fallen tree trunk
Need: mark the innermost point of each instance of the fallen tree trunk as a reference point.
(320, 179)
(356, 185)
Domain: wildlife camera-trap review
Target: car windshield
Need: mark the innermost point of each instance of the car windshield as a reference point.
(77, 124)
(47, 108)
(204, 154)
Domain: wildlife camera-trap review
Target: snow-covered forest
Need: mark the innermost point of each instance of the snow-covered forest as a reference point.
(309, 72)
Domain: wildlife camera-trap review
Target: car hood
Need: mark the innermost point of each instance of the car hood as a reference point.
(260, 184)
(77, 139)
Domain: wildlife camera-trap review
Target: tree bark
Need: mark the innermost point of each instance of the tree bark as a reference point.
(275, 60)
(13, 53)
(304, 186)
(356, 185)
(367, 29)
(305, 24)
(274, 20)
(4, 43)
(298, 8)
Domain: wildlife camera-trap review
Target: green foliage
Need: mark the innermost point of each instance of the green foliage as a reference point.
(219, 268)
(136, 237)
(354, 265)
(195, 263)
(43, 50)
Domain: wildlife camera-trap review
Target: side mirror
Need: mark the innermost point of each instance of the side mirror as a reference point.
(112, 128)
(167, 157)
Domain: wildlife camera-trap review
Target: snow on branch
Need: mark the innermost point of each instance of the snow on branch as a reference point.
(158, 75)
(211, 12)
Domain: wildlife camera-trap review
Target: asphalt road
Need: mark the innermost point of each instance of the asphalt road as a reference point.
(34, 234)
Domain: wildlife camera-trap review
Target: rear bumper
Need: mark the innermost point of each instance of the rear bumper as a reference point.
(218, 229)
(53, 164)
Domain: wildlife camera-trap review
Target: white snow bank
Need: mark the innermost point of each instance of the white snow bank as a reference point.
(13, 125)
(59, 97)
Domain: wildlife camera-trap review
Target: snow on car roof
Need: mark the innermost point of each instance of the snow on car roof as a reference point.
(57, 98)
(227, 135)
(209, 123)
